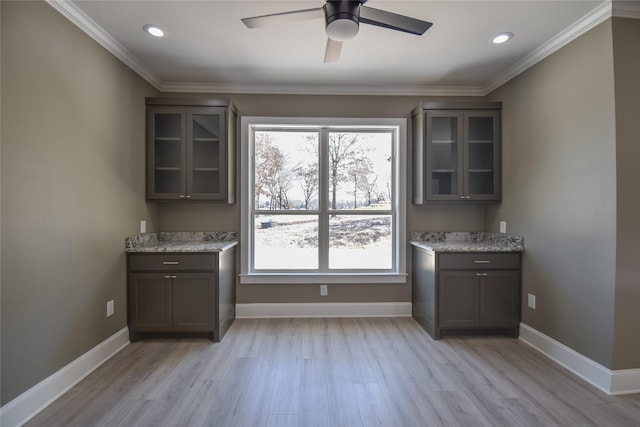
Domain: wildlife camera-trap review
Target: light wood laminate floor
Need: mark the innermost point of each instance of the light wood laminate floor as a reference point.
(335, 372)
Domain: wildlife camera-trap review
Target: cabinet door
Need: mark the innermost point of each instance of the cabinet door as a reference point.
(166, 153)
(444, 155)
(458, 299)
(500, 299)
(150, 302)
(194, 299)
(482, 155)
(206, 153)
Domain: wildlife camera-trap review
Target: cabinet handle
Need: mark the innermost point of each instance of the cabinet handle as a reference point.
(188, 197)
(167, 277)
(182, 196)
(478, 274)
(484, 274)
(170, 262)
(481, 262)
(174, 277)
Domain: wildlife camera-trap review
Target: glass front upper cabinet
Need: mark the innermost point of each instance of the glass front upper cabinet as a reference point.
(456, 153)
(189, 152)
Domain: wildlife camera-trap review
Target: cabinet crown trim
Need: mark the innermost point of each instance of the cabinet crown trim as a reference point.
(189, 102)
(462, 105)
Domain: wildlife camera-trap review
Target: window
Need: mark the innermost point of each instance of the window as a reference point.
(323, 200)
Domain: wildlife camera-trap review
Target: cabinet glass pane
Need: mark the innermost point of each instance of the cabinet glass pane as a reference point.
(481, 155)
(481, 129)
(167, 153)
(206, 181)
(206, 153)
(167, 181)
(444, 152)
(167, 126)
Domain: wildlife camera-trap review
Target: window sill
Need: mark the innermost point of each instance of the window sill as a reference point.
(301, 278)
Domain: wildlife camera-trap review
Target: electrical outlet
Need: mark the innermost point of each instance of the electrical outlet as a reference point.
(109, 308)
(324, 291)
(143, 226)
(531, 301)
(503, 226)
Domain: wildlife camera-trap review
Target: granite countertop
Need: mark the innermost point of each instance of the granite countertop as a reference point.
(460, 241)
(185, 242)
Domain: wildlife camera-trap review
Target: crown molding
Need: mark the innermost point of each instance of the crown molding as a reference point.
(586, 23)
(322, 90)
(70, 11)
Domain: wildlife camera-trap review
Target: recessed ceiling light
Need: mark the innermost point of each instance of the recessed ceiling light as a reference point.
(153, 30)
(502, 38)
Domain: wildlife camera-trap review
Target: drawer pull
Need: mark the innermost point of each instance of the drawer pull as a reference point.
(481, 262)
(174, 277)
(478, 274)
(167, 277)
(170, 262)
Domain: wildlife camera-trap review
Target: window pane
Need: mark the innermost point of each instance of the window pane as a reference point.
(286, 170)
(360, 241)
(360, 170)
(286, 242)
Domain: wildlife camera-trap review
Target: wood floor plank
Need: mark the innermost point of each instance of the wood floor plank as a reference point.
(335, 373)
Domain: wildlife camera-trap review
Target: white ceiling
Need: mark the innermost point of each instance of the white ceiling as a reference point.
(208, 49)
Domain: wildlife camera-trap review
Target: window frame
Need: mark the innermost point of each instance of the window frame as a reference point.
(397, 273)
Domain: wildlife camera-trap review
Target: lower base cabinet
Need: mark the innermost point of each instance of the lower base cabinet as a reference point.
(466, 292)
(171, 294)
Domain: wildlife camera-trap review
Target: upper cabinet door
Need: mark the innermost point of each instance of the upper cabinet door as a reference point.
(206, 153)
(482, 155)
(456, 152)
(166, 153)
(191, 149)
(444, 155)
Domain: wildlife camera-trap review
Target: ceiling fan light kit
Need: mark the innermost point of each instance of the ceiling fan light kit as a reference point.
(342, 18)
(342, 22)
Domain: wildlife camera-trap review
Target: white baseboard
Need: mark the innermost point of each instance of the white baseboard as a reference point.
(28, 404)
(624, 381)
(327, 309)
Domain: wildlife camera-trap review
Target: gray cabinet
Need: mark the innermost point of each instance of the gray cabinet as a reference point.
(190, 149)
(164, 302)
(456, 152)
(466, 292)
(170, 294)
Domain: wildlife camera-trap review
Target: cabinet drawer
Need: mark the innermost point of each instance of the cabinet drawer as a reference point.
(168, 262)
(479, 261)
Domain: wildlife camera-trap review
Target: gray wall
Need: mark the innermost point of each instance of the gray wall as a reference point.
(419, 218)
(559, 191)
(626, 55)
(72, 178)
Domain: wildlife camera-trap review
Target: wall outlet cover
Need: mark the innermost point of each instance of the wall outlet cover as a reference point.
(109, 308)
(531, 301)
(503, 226)
(324, 291)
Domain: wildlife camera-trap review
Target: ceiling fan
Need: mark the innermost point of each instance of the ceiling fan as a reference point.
(342, 19)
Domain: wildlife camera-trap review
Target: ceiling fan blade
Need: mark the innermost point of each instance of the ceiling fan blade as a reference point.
(381, 18)
(332, 52)
(283, 18)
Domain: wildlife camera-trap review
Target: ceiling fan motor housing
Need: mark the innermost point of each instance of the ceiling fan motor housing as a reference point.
(342, 18)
